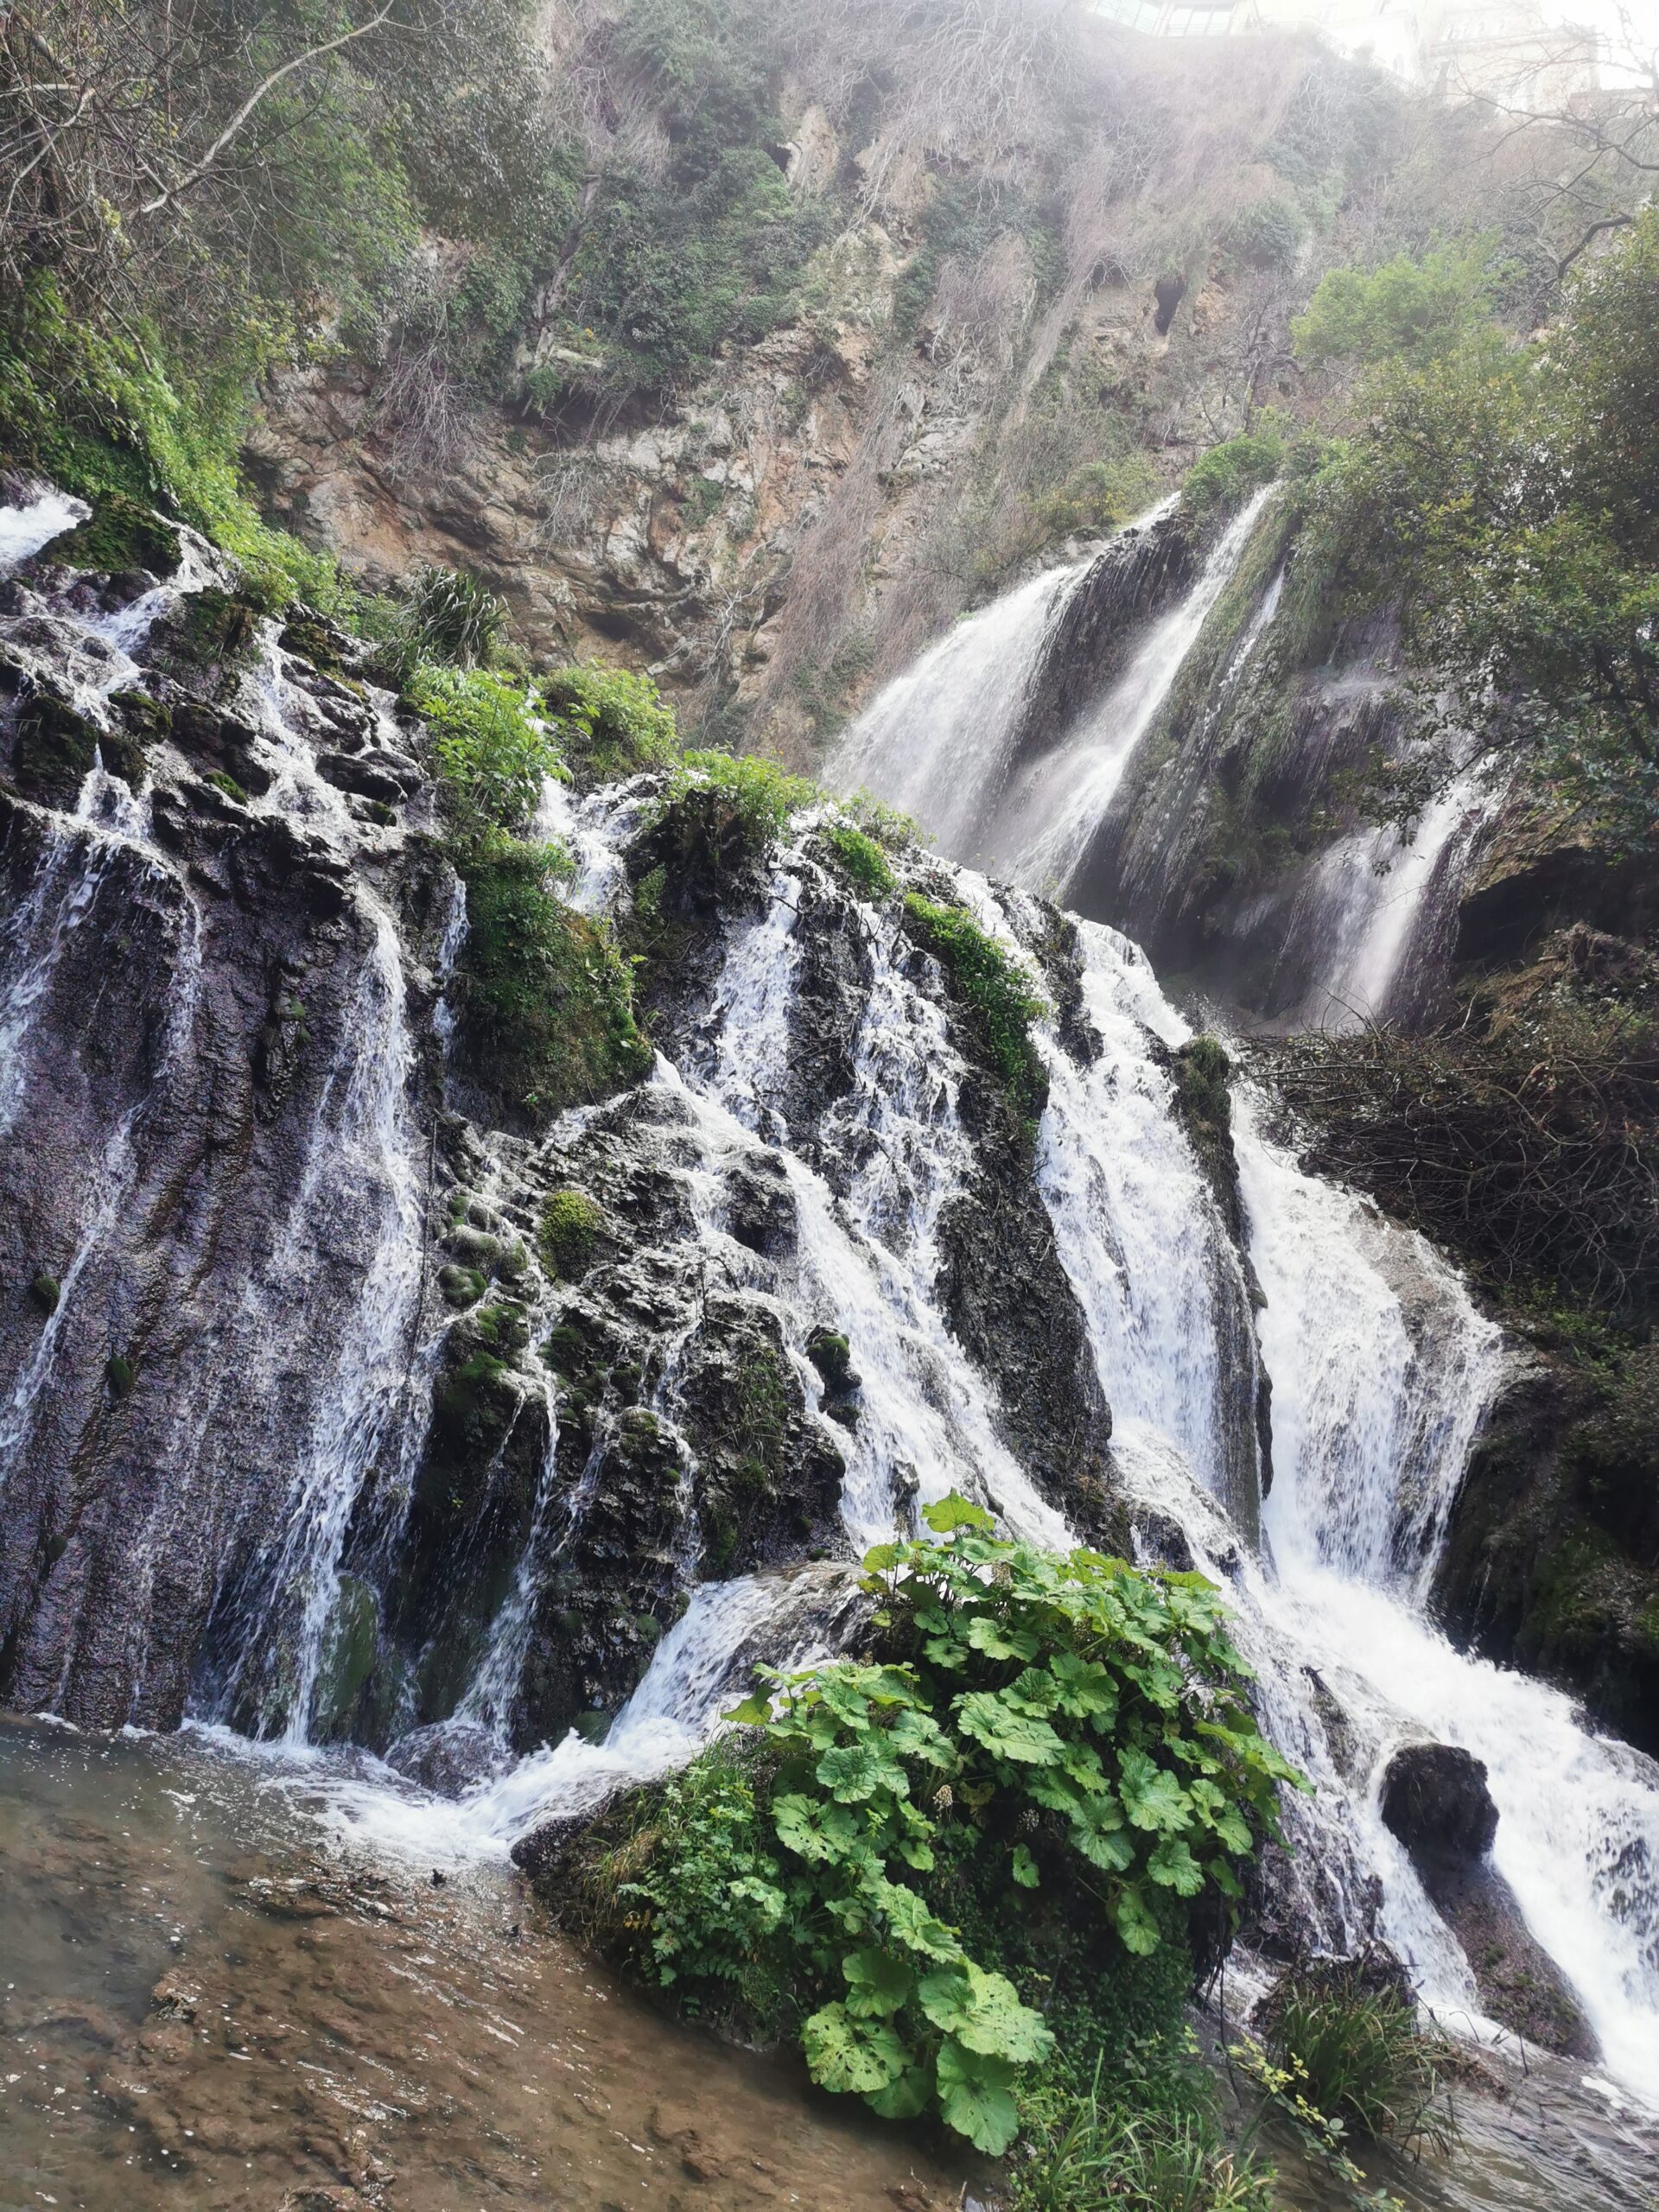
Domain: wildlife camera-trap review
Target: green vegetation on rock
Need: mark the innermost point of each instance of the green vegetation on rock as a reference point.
(1049, 1760)
(1002, 1003)
(861, 859)
(1500, 493)
(545, 999)
(609, 722)
(571, 1225)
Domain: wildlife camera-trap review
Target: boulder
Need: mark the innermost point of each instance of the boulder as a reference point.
(1435, 1799)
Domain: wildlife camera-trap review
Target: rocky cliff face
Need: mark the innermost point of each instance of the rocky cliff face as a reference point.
(331, 1408)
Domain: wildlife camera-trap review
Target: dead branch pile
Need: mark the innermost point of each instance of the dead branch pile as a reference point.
(1534, 1157)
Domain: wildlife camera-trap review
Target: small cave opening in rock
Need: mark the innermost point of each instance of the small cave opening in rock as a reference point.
(1169, 292)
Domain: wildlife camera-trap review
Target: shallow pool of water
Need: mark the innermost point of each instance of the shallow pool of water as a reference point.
(204, 2003)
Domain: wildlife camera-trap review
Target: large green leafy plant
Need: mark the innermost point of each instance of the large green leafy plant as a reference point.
(1048, 1739)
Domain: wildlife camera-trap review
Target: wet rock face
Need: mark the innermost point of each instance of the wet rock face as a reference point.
(1434, 1798)
(1136, 576)
(1548, 1559)
(182, 990)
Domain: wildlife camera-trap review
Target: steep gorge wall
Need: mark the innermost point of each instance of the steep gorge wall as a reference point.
(1019, 329)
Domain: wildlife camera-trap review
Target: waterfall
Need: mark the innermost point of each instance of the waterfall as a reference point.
(1381, 1369)
(938, 740)
(1375, 896)
(1057, 804)
(943, 741)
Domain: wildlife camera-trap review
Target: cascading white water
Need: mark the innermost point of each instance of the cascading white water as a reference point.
(937, 741)
(1140, 1234)
(25, 531)
(1055, 806)
(1380, 1371)
(359, 1196)
(1368, 899)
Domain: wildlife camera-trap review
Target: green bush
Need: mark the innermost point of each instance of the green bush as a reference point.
(861, 859)
(670, 270)
(1100, 495)
(610, 723)
(1268, 234)
(995, 990)
(492, 754)
(451, 617)
(1347, 2059)
(1224, 478)
(1142, 2133)
(1403, 310)
(723, 810)
(1051, 1756)
(100, 416)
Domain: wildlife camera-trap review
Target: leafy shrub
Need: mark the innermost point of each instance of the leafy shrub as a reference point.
(571, 1224)
(610, 722)
(1099, 495)
(860, 859)
(1049, 1746)
(1403, 310)
(545, 1000)
(450, 616)
(1346, 2058)
(670, 270)
(98, 414)
(1268, 234)
(720, 811)
(1224, 478)
(492, 754)
(995, 990)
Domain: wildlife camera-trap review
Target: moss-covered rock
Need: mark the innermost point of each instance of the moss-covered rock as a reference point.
(571, 1227)
(121, 533)
(55, 748)
(544, 999)
(1550, 1559)
(46, 1291)
(210, 632)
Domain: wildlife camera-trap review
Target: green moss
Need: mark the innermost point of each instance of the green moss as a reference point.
(121, 533)
(210, 628)
(56, 747)
(461, 1286)
(546, 1000)
(146, 719)
(1003, 1005)
(351, 1645)
(227, 784)
(861, 859)
(566, 1351)
(46, 1291)
(571, 1226)
(1225, 477)
(120, 1374)
(759, 1435)
(1203, 1078)
(831, 1354)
